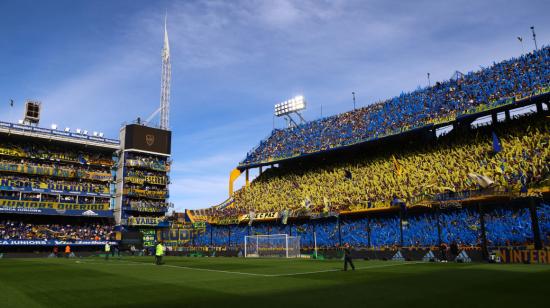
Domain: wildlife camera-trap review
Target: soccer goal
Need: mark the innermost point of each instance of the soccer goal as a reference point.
(270, 246)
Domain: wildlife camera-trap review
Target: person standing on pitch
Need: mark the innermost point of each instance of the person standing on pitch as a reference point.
(159, 251)
(107, 250)
(347, 257)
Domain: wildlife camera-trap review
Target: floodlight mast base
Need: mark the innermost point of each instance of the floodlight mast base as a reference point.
(293, 123)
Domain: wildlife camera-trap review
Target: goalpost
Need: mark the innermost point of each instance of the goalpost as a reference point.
(268, 246)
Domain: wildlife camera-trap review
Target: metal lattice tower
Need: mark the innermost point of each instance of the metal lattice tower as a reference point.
(165, 83)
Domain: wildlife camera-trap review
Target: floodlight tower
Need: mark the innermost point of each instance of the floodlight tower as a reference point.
(289, 107)
(165, 83)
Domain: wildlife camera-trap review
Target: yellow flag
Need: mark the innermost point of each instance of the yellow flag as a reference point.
(396, 165)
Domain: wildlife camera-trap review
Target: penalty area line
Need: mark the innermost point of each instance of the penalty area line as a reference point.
(340, 270)
(125, 262)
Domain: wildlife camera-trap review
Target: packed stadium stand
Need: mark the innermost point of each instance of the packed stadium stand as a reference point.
(462, 163)
(489, 87)
(54, 191)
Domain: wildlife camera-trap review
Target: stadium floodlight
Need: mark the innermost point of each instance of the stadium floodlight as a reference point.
(289, 107)
(101, 135)
(85, 132)
(95, 134)
(20, 121)
(78, 130)
(294, 104)
(67, 129)
(54, 126)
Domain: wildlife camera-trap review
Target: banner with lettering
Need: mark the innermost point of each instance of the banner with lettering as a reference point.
(260, 216)
(147, 221)
(55, 208)
(38, 242)
(531, 256)
(177, 236)
(151, 179)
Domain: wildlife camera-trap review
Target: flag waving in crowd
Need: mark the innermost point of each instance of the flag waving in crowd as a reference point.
(497, 146)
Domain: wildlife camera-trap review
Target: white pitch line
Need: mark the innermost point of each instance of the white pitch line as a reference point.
(252, 274)
(176, 266)
(339, 270)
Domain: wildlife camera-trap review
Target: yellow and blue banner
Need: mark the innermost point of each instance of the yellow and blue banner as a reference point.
(55, 208)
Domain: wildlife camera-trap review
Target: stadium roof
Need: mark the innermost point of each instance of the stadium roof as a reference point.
(58, 135)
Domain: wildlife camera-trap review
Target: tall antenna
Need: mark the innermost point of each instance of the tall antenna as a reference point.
(165, 82)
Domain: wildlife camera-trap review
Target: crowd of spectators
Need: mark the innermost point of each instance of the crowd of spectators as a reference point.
(384, 231)
(201, 237)
(87, 172)
(506, 226)
(238, 232)
(461, 226)
(420, 230)
(42, 197)
(491, 86)
(52, 183)
(144, 161)
(149, 206)
(376, 180)
(18, 230)
(55, 153)
(146, 183)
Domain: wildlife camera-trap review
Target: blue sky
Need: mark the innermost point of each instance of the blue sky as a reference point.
(96, 64)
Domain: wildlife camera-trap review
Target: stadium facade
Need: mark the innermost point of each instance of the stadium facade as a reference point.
(81, 180)
(67, 189)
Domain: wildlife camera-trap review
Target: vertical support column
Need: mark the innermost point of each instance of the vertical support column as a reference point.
(261, 170)
(484, 250)
(229, 236)
(193, 234)
(539, 107)
(247, 179)
(211, 227)
(401, 226)
(507, 115)
(339, 230)
(494, 119)
(438, 220)
(368, 232)
(533, 204)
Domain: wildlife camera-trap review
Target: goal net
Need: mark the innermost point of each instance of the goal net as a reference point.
(269, 246)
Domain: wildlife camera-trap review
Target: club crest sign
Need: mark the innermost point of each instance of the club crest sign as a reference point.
(150, 139)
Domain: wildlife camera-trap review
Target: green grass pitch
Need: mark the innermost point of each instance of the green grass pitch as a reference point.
(233, 282)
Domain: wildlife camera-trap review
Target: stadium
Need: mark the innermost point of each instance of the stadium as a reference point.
(436, 196)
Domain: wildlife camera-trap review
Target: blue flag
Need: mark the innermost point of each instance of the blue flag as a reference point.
(497, 147)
